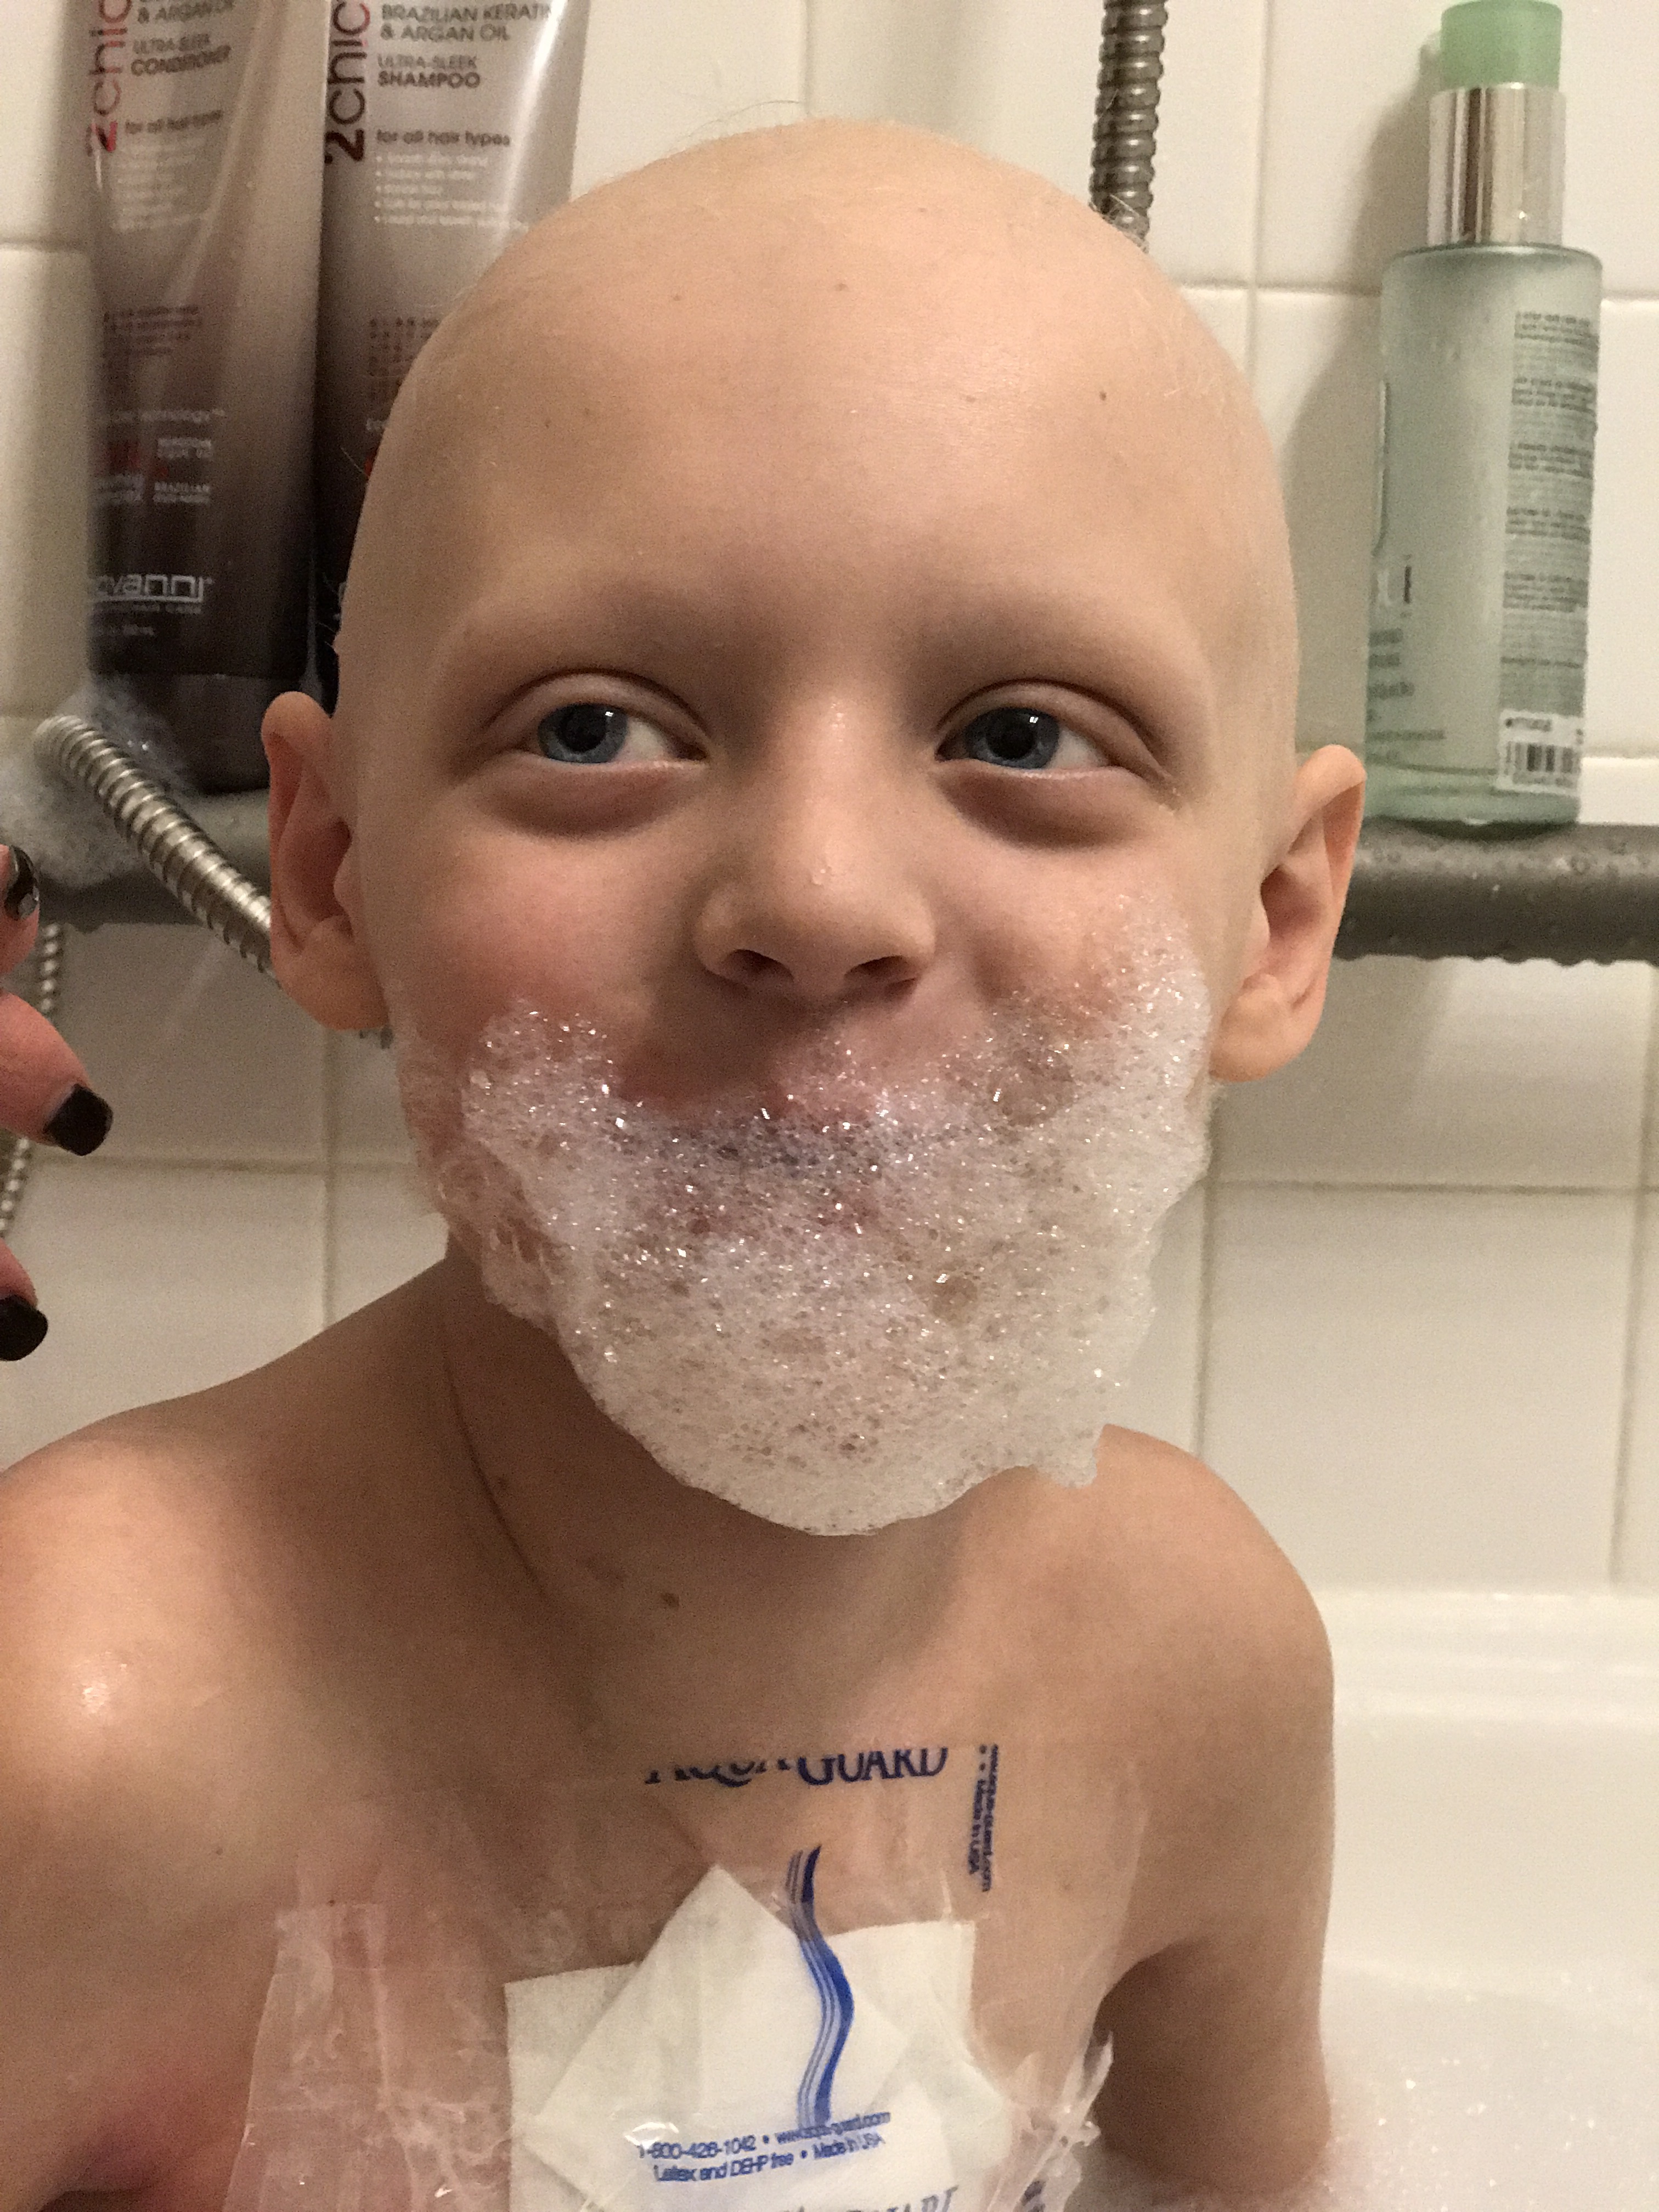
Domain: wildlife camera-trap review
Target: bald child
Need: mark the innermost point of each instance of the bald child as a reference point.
(820, 633)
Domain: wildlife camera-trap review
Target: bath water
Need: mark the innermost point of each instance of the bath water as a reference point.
(1540, 2099)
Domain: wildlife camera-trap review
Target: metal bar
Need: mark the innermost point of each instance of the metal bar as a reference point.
(1562, 895)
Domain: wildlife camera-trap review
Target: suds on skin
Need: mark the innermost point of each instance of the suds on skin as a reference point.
(842, 1309)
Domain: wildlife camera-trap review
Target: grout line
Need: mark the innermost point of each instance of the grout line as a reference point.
(1633, 1188)
(66, 245)
(1618, 1538)
(1617, 1541)
(254, 1163)
(29, 718)
(1340, 291)
(1320, 291)
(51, 1161)
(809, 91)
(1264, 86)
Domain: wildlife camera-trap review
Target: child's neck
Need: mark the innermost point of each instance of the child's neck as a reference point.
(661, 1599)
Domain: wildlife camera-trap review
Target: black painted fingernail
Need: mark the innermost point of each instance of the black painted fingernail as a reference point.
(22, 893)
(82, 1122)
(21, 1328)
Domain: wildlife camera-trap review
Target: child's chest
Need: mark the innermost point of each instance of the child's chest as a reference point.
(754, 1957)
(455, 1949)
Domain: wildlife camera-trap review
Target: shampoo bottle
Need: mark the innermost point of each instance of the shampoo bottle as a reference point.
(1479, 585)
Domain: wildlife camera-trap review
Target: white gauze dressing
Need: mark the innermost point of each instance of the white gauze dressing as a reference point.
(846, 1307)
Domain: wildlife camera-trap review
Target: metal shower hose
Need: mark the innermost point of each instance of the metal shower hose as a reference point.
(43, 977)
(1126, 114)
(192, 866)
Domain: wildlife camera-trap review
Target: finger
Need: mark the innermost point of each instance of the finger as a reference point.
(44, 1091)
(20, 899)
(22, 1324)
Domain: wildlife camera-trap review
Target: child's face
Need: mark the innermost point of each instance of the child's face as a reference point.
(795, 611)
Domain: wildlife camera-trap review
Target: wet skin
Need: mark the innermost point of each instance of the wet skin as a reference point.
(797, 458)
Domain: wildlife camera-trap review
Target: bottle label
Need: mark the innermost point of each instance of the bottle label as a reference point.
(1540, 752)
(1547, 542)
(1481, 569)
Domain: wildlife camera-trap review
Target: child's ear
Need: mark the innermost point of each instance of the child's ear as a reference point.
(315, 951)
(1277, 1007)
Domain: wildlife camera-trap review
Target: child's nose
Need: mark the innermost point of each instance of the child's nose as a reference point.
(815, 898)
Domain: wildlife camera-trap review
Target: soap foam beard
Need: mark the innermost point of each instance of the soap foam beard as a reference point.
(844, 1311)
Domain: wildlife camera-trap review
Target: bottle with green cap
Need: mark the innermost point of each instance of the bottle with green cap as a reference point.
(1481, 575)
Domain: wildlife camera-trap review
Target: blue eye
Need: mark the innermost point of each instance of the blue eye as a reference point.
(583, 733)
(1011, 737)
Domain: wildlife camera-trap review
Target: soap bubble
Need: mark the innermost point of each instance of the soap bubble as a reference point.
(1452, 2098)
(843, 1308)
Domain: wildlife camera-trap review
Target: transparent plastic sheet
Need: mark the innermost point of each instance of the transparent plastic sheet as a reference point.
(740, 1988)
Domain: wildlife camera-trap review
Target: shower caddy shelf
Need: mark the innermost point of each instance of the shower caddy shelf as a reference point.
(1584, 894)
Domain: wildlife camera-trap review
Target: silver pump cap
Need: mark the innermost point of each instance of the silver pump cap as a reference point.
(1497, 159)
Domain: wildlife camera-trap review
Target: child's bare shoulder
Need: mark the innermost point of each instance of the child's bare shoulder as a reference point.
(1214, 1583)
(1185, 1628)
(151, 1732)
(1160, 1570)
(109, 1574)
(158, 1572)
(1207, 1639)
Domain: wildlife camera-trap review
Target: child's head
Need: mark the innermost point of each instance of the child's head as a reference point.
(824, 592)
(785, 463)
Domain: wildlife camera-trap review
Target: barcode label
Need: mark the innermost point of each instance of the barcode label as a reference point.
(1540, 752)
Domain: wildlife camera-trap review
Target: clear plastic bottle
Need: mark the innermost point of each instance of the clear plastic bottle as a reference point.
(1480, 589)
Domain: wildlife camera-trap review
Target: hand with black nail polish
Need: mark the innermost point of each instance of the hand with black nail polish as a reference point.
(44, 1092)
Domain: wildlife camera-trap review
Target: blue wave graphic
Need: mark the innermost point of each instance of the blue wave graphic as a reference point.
(834, 1993)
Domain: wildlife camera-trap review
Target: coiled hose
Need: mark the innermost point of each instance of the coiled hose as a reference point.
(188, 862)
(192, 866)
(1126, 114)
(184, 858)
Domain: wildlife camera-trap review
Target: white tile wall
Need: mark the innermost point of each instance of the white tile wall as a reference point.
(1224, 311)
(41, 180)
(381, 1231)
(1316, 383)
(1203, 217)
(44, 303)
(1422, 1386)
(366, 1123)
(1015, 78)
(1400, 1319)
(1620, 790)
(875, 62)
(1345, 130)
(656, 79)
(1637, 1556)
(1621, 692)
(157, 1281)
(1609, 67)
(1456, 1074)
(1160, 1395)
(203, 1058)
